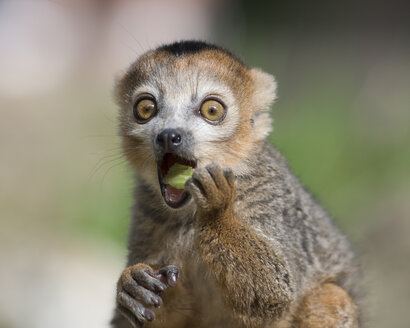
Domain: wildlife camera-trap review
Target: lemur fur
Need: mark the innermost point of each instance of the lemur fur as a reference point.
(244, 245)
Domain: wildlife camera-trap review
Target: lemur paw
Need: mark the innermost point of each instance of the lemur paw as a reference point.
(212, 187)
(139, 287)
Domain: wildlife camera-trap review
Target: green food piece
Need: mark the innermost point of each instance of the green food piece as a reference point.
(177, 175)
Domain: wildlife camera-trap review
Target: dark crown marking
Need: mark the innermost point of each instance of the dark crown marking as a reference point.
(182, 48)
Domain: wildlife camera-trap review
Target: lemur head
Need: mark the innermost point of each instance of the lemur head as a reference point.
(191, 103)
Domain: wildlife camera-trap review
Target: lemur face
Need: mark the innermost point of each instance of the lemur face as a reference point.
(192, 107)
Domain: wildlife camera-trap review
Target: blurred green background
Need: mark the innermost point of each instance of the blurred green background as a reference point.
(342, 119)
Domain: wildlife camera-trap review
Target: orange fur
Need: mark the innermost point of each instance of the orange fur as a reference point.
(327, 306)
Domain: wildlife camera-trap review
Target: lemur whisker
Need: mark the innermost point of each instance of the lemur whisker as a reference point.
(109, 169)
(149, 157)
(132, 36)
(116, 161)
(104, 161)
(110, 158)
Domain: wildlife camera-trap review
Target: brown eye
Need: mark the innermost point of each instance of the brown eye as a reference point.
(212, 111)
(144, 110)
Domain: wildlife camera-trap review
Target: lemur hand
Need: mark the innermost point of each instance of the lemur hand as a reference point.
(213, 189)
(139, 286)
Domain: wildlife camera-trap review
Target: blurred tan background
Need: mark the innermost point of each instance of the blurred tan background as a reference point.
(342, 119)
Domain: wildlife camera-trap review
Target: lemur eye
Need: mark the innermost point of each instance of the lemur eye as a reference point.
(144, 110)
(213, 111)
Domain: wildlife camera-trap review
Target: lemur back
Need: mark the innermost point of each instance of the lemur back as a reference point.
(242, 244)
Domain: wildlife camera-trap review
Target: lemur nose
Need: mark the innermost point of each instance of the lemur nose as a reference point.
(169, 139)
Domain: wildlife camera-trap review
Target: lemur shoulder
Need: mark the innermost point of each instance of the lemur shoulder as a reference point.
(243, 244)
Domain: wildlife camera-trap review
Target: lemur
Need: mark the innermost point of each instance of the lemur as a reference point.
(242, 244)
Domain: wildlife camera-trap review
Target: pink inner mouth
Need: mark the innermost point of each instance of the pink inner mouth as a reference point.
(173, 195)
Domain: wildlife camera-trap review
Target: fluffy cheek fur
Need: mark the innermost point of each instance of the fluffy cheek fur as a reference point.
(252, 124)
(231, 152)
(140, 155)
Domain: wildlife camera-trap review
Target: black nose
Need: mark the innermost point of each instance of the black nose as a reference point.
(169, 139)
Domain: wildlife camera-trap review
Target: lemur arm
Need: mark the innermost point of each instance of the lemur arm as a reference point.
(253, 277)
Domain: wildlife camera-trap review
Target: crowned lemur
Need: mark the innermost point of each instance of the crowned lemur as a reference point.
(241, 244)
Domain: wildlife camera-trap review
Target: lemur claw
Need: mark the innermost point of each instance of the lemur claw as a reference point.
(170, 273)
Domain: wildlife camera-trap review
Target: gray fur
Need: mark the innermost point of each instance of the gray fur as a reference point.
(275, 205)
(270, 201)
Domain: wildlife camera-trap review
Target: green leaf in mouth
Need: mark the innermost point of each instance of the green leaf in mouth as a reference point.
(177, 175)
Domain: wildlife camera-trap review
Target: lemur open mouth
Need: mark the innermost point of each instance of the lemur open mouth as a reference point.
(173, 196)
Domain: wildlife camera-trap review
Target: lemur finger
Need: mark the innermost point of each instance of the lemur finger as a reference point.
(217, 174)
(194, 187)
(207, 182)
(134, 276)
(170, 273)
(147, 279)
(141, 313)
(142, 294)
(129, 316)
(229, 176)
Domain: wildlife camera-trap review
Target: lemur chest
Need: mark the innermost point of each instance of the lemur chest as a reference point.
(195, 301)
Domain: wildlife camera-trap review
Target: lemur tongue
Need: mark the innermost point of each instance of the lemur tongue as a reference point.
(173, 194)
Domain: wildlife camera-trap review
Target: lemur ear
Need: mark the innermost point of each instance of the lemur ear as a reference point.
(263, 96)
(265, 89)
